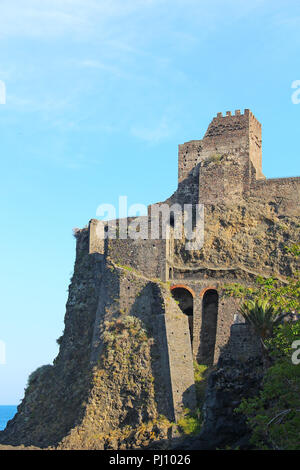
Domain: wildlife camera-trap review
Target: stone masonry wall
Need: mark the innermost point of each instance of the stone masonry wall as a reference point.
(128, 293)
(146, 256)
(224, 179)
(227, 307)
(285, 191)
(180, 358)
(188, 157)
(243, 344)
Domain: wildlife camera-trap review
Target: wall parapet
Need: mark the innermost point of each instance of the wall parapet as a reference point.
(286, 189)
(284, 180)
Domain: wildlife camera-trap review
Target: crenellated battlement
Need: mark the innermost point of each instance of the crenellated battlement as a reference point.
(222, 125)
(237, 112)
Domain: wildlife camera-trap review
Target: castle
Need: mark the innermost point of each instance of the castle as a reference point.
(175, 295)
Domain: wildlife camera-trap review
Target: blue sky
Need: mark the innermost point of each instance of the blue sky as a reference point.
(99, 95)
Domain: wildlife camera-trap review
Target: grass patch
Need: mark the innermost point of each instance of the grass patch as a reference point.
(190, 423)
(201, 373)
(214, 158)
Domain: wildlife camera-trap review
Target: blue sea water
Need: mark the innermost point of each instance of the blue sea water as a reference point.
(6, 413)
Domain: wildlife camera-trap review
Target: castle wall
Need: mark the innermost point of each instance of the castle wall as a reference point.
(96, 244)
(224, 179)
(188, 157)
(172, 355)
(127, 293)
(242, 344)
(227, 307)
(188, 187)
(146, 256)
(285, 190)
(255, 145)
(180, 358)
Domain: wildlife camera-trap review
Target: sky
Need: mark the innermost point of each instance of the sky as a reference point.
(98, 96)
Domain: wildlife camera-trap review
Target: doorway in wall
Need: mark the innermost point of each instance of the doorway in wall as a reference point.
(208, 327)
(186, 303)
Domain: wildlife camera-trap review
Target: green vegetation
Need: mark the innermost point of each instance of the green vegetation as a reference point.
(201, 373)
(263, 317)
(214, 158)
(274, 415)
(190, 423)
(125, 326)
(269, 301)
(280, 344)
(284, 296)
(128, 268)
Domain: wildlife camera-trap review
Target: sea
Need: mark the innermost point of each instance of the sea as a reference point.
(7, 412)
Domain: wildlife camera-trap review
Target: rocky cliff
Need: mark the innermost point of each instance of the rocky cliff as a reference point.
(250, 237)
(109, 383)
(108, 386)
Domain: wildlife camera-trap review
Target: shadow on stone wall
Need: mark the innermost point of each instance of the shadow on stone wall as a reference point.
(186, 398)
(148, 307)
(238, 375)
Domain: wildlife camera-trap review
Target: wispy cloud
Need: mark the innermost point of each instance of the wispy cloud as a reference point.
(32, 18)
(98, 65)
(81, 18)
(118, 47)
(63, 17)
(43, 104)
(159, 132)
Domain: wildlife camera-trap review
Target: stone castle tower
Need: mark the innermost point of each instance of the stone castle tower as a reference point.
(141, 310)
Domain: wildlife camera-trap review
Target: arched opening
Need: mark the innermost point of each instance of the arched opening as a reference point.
(208, 326)
(172, 220)
(186, 303)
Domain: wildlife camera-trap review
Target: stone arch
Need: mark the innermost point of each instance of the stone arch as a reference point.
(182, 286)
(185, 297)
(206, 289)
(208, 332)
